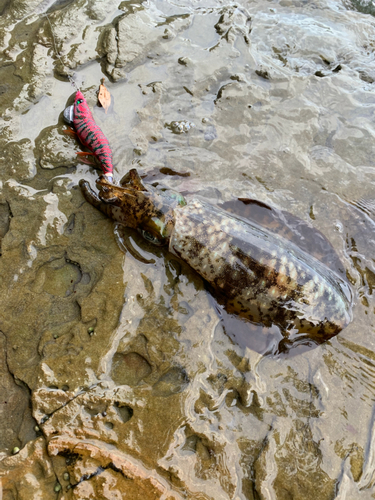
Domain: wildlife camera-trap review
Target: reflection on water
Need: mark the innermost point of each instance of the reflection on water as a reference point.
(138, 387)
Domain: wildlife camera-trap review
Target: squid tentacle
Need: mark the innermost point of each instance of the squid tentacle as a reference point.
(91, 197)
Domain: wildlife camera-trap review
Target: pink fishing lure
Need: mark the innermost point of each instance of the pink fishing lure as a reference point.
(91, 135)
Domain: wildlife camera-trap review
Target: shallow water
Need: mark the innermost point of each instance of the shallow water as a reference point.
(117, 376)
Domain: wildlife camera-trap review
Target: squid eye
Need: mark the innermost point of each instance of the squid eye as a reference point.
(150, 237)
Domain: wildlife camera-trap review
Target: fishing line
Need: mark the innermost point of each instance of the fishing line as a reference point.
(70, 78)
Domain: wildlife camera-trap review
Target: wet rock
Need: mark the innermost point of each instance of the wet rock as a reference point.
(229, 91)
(21, 8)
(18, 160)
(47, 322)
(172, 382)
(5, 216)
(16, 423)
(109, 472)
(366, 77)
(41, 67)
(67, 32)
(233, 20)
(29, 474)
(129, 369)
(124, 411)
(305, 465)
(168, 34)
(55, 149)
(57, 278)
(150, 125)
(134, 36)
(48, 400)
(184, 61)
(263, 73)
(92, 306)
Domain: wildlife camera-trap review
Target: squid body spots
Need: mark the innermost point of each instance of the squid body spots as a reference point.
(292, 271)
(213, 240)
(232, 260)
(284, 260)
(272, 264)
(281, 280)
(274, 291)
(282, 270)
(309, 286)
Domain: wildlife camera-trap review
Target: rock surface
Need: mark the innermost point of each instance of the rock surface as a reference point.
(117, 377)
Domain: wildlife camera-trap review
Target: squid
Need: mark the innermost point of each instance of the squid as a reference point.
(263, 277)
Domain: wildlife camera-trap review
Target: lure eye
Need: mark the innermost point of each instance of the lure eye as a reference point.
(150, 237)
(79, 101)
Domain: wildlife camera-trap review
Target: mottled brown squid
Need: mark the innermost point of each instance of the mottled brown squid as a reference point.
(263, 277)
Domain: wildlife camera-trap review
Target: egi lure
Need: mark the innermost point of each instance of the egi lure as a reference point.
(89, 133)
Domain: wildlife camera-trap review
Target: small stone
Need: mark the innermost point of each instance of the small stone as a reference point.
(55, 336)
(57, 487)
(36, 429)
(167, 34)
(184, 61)
(66, 476)
(15, 450)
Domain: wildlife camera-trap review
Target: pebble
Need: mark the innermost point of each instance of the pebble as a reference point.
(184, 61)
